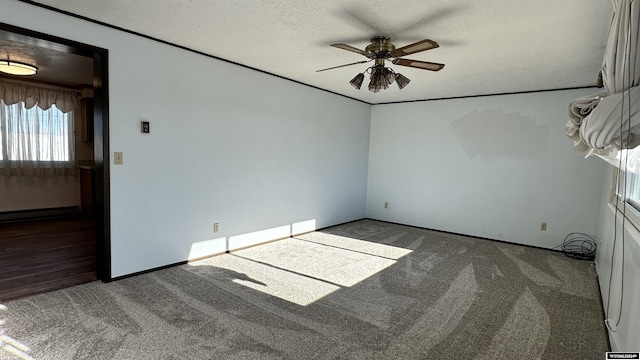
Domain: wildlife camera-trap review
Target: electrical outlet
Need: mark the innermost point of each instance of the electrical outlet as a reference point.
(386, 205)
(543, 226)
(216, 227)
(117, 158)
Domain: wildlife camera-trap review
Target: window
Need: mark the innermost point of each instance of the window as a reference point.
(35, 141)
(633, 193)
(626, 195)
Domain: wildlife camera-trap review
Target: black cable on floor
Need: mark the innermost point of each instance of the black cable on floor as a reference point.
(579, 246)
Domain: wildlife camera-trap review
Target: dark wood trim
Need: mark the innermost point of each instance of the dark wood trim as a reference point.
(320, 229)
(442, 231)
(101, 158)
(35, 38)
(340, 224)
(485, 95)
(98, 22)
(248, 246)
(206, 257)
(68, 13)
(32, 214)
(152, 270)
(101, 129)
(466, 235)
(22, 79)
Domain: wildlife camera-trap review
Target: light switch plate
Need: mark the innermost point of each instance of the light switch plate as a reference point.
(117, 158)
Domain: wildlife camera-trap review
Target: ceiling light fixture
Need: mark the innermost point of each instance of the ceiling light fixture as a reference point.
(380, 79)
(402, 81)
(380, 50)
(356, 82)
(17, 68)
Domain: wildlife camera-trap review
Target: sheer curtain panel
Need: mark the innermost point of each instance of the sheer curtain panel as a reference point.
(36, 131)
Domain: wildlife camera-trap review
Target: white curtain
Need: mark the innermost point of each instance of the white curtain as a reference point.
(64, 100)
(36, 140)
(607, 124)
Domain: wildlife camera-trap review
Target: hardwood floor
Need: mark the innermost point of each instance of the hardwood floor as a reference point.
(38, 256)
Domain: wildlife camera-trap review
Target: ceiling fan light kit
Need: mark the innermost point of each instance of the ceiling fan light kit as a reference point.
(17, 68)
(357, 81)
(382, 49)
(381, 78)
(402, 81)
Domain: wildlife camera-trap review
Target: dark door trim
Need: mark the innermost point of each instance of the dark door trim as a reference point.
(101, 130)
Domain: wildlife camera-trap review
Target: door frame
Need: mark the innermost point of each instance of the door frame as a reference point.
(101, 193)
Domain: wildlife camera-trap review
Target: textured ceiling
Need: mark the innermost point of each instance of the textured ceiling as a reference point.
(489, 46)
(53, 65)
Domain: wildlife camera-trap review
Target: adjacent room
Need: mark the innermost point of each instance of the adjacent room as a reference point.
(337, 179)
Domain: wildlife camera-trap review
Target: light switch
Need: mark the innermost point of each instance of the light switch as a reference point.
(145, 128)
(117, 158)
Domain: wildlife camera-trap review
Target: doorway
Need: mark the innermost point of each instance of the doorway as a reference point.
(98, 229)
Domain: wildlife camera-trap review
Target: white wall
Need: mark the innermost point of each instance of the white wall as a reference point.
(493, 167)
(230, 145)
(625, 335)
(27, 193)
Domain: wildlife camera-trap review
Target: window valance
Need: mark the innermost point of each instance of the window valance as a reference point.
(43, 97)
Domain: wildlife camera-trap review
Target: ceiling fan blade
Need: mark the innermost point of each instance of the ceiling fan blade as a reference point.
(422, 45)
(350, 48)
(425, 65)
(432, 18)
(339, 66)
(366, 19)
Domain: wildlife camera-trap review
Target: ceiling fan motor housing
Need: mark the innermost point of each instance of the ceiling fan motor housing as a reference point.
(380, 48)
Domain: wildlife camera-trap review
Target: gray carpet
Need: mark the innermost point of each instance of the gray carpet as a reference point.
(363, 290)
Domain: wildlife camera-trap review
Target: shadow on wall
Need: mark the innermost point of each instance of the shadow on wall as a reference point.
(493, 134)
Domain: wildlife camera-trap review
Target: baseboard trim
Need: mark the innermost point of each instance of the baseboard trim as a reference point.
(33, 214)
(122, 277)
(344, 223)
(205, 257)
(611, 340)
(184, 262)
(467, 235)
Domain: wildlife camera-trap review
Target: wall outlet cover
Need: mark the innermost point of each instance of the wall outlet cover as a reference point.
(117, 158)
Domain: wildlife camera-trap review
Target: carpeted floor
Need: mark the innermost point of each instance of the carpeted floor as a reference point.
(363, 290)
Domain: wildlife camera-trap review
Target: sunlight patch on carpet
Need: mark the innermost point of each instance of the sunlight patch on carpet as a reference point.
(9, 345)
(327, 263)
(305, 269)
(280, 283)
(366, 247)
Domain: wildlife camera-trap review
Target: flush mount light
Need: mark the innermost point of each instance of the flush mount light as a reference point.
(17, 68)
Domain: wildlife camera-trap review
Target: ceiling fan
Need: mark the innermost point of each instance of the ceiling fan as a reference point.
(382, 49)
